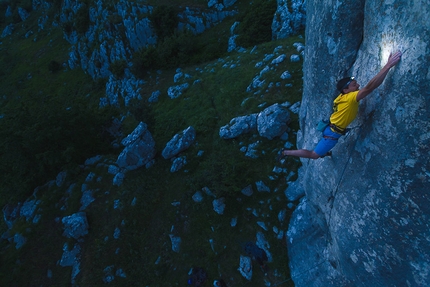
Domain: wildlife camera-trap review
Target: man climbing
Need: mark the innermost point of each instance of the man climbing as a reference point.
(345, 109)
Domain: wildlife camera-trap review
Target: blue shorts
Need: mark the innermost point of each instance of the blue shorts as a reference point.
(325, 145)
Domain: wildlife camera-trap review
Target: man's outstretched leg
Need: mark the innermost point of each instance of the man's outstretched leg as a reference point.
(301, 153)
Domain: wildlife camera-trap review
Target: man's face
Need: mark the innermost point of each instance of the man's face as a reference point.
(352, 87)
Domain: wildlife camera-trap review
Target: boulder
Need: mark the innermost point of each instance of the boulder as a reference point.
(176, 242)
(28, 209)
(7, 31)
(272, 121)
(219, 205)
(178, 163)
(238, 126)
(19, 240)
(139, 148)
(179, 143)
(75, 225)
(175, 91)
(245, 267)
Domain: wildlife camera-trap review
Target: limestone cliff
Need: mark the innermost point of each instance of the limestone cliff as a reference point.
(365, 218)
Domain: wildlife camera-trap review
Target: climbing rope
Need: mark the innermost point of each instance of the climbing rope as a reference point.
(333, 196)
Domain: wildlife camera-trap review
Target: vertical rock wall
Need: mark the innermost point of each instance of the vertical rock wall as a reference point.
(365, 218)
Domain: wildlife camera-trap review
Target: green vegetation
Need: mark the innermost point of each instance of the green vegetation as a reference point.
(164, 20)
(50, 121)
(182, 48)
(82, 21)
(50, 116)
(118, 68)
(256, 23)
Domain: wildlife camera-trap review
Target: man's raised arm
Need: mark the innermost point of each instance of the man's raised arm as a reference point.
(377, 80)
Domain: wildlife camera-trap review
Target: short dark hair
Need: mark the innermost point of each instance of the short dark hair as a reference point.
(343, 83)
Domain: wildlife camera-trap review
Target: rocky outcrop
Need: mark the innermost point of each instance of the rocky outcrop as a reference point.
(290, 17)
(364, 219)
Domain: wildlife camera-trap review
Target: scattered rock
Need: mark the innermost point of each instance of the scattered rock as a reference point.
(75, 225)
(245, 267)
(179, 143)
(219, 205)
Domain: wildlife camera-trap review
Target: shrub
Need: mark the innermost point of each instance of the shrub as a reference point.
(82, 21)
(164, 20)
(54, 66)
(117, 68)
(144, 60)
(41, 136)
(256, 24)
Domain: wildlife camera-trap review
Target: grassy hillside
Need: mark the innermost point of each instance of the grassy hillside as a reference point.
(48, 106)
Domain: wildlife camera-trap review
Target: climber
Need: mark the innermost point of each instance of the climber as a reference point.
(345, 109)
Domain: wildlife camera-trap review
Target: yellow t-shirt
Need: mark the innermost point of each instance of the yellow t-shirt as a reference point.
(345, 109)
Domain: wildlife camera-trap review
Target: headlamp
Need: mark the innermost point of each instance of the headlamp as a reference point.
(347, 83)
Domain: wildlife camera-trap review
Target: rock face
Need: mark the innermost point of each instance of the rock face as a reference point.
(364, 220)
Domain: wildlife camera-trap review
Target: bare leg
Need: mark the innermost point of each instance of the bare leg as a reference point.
(301, 153)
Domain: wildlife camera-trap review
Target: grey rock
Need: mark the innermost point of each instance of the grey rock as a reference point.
(247, 190)
(251, 150)
(262, 187)
(262, 225)
(233, 222)
(116, 233)
(294, 191)
(8, 12)
(179, 143)
(198, 197)
(19, 240)
(290, 18)
(176, 242)
(86, 199)
(120, 273)
(282, 215)
(8, 30)
(279, 59)
(139, 148)
(11, 213)
(245, 267)
(208, 192)
(228, 3)
(176, 91)
(70, 257)
(23, 14)
(295, 108)
(113, 169)
(108, 274)
(299, 47)
(118, 179)
(272, 121)
(28, 208)
(286, 75)
(61, 177)
(264, 244)
(178, 163)
(94, 160)
(75, 225)
(239, 126)
(294, 58)
(219, 205)
(154, 97)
